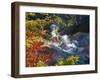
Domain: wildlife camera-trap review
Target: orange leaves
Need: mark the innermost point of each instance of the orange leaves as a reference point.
(37, 44)
(30, 34)
(34, 57)
(30, 57)
(42, 31)
(45, 54)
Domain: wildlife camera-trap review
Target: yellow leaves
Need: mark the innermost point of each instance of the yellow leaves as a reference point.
(32, 14)
(41, 22)
(72, 60)
(40, 63)
(48, 19)
(31, 23)
(32, 38)
(36, 25)
(28, 43)
(42, 31)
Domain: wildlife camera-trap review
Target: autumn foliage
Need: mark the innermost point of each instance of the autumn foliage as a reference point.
(38, 34)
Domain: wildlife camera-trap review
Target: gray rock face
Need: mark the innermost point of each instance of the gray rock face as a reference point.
(81, 38)
(82, 46)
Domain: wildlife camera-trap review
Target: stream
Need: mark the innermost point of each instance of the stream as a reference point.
(77, 44)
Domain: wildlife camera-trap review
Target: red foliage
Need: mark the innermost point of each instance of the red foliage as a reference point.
(37, 44)
(44, 54)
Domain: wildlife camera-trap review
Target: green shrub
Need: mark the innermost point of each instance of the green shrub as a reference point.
(71, 60)
(40, 63)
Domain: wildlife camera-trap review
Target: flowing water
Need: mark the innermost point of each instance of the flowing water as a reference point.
(64, 47)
